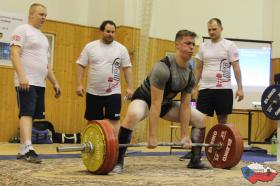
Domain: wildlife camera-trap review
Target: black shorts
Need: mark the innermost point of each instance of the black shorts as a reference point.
(31, 102)
(164, 107)
(100, 107)
(218, 100)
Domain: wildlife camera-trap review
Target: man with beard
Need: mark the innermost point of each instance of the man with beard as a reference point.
(105, 57)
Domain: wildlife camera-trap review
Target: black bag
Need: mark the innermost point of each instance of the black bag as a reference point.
(44, 125)
(67, 138)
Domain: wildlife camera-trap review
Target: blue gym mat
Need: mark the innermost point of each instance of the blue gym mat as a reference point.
(251, 156)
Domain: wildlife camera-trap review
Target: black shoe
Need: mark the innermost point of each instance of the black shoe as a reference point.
(197, 165)
(32, 157)
(186, 156)
(118, 168)
(20, 156)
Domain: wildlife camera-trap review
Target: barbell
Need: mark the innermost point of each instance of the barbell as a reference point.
(99, 146)
(88, 147)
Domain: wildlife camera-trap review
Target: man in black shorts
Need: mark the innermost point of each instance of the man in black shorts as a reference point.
(169, 77)
(213, 75)
(215, 58)
(105, 58)
(29, 55)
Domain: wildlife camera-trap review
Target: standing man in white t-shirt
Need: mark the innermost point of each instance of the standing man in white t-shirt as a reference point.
(104, 58)
(29, 55)
(215, 59)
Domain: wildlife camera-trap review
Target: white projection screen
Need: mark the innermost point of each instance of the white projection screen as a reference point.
(255, 61)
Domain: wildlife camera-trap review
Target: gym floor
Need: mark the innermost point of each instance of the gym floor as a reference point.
(139, 170)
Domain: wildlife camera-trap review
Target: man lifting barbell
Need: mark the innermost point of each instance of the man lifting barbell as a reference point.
(172, 75)
(223, 147)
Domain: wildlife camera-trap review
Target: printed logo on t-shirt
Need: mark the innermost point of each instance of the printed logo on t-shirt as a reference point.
(115, 79)
(16, 38)
(116, 69)
(225, 68)
(224, 74)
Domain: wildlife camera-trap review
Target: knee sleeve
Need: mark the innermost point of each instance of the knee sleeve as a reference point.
(124, 138)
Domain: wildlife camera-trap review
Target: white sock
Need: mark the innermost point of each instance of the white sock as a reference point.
(24, 148)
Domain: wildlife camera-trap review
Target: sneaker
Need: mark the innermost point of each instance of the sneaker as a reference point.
(197, 165)
(118, 168)
(186, 156)
(32, 157)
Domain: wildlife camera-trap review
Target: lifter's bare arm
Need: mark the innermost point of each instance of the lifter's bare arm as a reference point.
(156, 100)
(185, 114)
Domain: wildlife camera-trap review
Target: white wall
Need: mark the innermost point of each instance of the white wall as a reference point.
(71, 11)
(100, 10)
(245, 19)
(241, 19)
(133, 12)
(83, 12)
(276, 29)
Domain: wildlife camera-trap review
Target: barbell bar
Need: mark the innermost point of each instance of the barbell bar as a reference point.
(88, 147)
(99, 146)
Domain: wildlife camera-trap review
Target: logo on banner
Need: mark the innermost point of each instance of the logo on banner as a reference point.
(257, 172)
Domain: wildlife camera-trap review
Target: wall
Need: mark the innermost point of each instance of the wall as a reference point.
(276, 29)
(250, 19)
(105, 9)
(194, 14)
(71, 11)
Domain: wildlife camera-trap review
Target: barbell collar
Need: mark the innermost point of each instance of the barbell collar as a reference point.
(85, 147)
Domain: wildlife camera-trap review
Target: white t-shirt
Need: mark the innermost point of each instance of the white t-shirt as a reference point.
(104, 61)
(217, 59)
(34, 54)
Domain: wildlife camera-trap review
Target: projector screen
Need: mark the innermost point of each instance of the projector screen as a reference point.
(255, 60)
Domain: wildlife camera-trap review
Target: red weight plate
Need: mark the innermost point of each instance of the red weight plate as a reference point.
(230, 154)
(111, 152)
